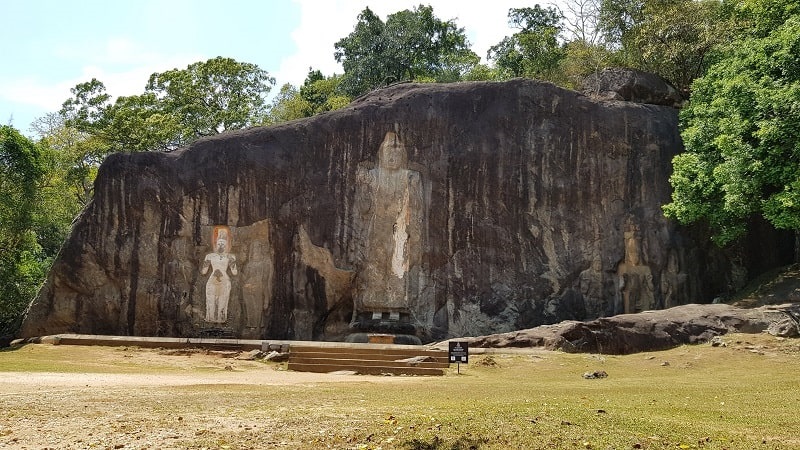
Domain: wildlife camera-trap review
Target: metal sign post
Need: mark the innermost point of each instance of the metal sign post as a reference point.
(459, 353)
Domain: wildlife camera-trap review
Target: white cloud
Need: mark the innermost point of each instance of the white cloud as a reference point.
(321, 25)
(113, 50)
(122, 65)
(35, 92)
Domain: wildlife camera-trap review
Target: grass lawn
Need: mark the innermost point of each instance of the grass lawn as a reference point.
(743, 396)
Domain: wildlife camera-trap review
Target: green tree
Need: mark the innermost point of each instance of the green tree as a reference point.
(177, 107)
(22, 259)
(742, 134)
(677, 38)
(139, 123)
(760, 17)
(36, 210)
(210, 97)
(288, 105)
(483, 72)
(317, 94)
(672, 38)
(534, 51)
(72, 157)
(617, 19)
(582, 58)
(586, 50)
(87, 111)
(323, 93)
(410, 45)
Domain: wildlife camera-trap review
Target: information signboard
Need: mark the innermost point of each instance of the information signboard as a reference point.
(459, 352)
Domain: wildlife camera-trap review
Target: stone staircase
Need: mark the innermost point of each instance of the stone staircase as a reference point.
(368, 359)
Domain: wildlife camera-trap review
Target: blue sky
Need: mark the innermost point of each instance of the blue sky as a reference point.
(49, 46)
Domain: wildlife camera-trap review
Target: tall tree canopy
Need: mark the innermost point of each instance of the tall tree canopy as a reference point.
(21, 172)
(37, 205)
(534, 51)
(213, 96)
(672, 38)
(410, 45)
(73, 157)
(287, 105)
(322, 93)
(317, 94)
(177, 107)
(742, 131)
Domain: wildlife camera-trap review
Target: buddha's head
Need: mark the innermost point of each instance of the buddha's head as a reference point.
(392, 154)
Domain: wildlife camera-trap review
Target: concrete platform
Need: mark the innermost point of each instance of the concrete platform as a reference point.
(306, 356)
(147, 342)
(241, 344)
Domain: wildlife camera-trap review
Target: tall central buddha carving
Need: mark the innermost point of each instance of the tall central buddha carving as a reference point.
(389, 209)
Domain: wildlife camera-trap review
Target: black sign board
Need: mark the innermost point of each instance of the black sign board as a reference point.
(459, 352)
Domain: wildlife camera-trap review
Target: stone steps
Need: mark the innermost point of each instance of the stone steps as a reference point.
(368, 359)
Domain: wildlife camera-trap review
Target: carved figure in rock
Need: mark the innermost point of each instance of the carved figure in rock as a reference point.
(635, 278)
(256, 279)
(674, 283)
(590, 284)
(389, 209)
(218, 287)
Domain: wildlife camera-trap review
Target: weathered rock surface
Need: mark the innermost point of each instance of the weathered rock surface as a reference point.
(651, 330)
(467, 209)
(633, 86)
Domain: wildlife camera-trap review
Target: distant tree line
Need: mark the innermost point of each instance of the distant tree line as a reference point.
(737, 61)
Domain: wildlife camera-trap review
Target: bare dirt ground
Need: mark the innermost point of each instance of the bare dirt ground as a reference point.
(239, 372)
(145, 399)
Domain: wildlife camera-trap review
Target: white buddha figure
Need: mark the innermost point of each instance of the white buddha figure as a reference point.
(218, 287)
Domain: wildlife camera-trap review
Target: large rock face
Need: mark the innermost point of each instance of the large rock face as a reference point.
(469, 209)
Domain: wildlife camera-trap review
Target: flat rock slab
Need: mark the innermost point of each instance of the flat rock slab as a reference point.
(648, 331)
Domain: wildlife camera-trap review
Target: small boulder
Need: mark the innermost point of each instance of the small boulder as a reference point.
(596, 374)
(717, 341)
(787, 328)
(633, 86)
(251, 355)
(277, 357)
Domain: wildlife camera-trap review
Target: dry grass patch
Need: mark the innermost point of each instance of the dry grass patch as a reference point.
(742, 396)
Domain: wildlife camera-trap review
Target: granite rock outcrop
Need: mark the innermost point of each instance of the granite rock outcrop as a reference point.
(461, 209)
(632, 85)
